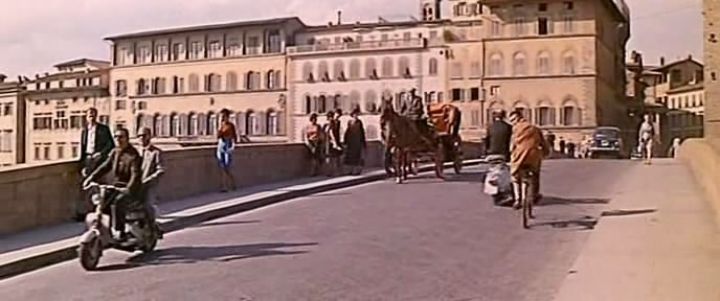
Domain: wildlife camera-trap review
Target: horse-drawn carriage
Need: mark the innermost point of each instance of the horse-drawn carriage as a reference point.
(409, 143)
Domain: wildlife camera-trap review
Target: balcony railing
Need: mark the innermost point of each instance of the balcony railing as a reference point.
(355, 46)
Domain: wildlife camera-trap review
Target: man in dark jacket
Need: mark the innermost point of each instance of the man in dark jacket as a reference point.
(125, 166)
(96, 142)
(498, 137)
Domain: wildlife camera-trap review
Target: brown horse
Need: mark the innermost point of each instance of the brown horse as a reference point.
(406, 143)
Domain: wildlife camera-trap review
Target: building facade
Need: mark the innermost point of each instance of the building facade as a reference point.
(12, 123)
(686, 112)
(711, 43)
(56, 107)
(357, 65)
(177, 81)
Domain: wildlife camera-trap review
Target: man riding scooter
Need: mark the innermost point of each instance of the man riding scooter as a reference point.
(124, 163)
(497, 143)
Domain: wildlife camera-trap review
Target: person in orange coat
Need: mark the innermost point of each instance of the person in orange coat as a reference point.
(528, 150)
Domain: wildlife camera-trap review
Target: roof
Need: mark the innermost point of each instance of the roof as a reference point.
(360, 25)
(686, 60)
(205, 27)
(81, 61)
(688, 88)
(70, 75)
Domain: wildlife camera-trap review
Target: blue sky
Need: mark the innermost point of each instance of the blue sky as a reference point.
(36, 34)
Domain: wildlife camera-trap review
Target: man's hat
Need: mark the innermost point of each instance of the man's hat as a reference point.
(144, 131)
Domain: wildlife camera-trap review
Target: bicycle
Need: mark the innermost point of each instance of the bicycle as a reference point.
(522, 191)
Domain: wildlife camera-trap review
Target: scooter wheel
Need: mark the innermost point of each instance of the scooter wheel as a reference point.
(89, 254)
(150, 244)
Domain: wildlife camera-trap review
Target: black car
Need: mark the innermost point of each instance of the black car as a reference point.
(606, 141)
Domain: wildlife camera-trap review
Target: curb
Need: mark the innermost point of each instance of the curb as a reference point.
(52, 257)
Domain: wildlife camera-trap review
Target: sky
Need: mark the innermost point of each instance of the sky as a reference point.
(37, 34)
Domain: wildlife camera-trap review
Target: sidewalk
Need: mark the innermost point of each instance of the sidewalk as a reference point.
(28, 251)
(658, 240)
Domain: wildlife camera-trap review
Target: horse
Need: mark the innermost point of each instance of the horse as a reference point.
(404, 141)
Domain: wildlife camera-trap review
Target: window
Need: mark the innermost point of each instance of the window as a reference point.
(121, 88)
(215, 50)
(233, 47)
(474, 94)
(545, 116)
(272, 123)
(270, 80)
(323, 71)
(371, 101)
(495, 28)
(252, 80)
(178, 51)
(387, 67)
(232, 81)
(37, 153)
(459, 9)
(568, 24)
(543, 66)
(253, 126)
(157, 126)
(355, 69)
(569, 5)
(339, 70)
(75, 153)
(7, 109)
(543, 28)
(161, 53)
(404, 67)
(61, 151)
(433, 66)
(354, 100)
(519, 26)
(178, 85)
(46, 153)
(213, 83)
(158, 86)
(475, 70)
(196, 50)
(475, 118)
(457, 71)
(175, 126)
(458, 94)
(192, 124)
(253, 45)
(143, 55)
(274, 42)
(308, 72)
(676, 76)
(142, 87)
(371, 69)
(569, 63)
(120, 104)
(496, 68)
(494, 90)
(542, 7)
(519, 67)
(194, 83)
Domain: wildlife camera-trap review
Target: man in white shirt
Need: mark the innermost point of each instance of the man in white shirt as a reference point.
(152, 169)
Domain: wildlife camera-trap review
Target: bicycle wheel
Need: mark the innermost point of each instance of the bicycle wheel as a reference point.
(526, 205)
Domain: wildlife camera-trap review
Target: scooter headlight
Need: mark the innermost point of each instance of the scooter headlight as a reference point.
(96, 199)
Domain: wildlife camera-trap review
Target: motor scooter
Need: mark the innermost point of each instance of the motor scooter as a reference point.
(498, 181)
(143, 235)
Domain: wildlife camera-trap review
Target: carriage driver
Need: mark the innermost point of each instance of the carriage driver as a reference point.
(412, 108)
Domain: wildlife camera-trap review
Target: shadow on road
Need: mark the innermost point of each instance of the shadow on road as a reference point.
(214, 224)
(580, 224)
(467, 177)
(628, 212)
(552, 201)
(190, 255)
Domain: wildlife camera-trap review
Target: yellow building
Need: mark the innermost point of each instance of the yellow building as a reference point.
(176, 81)
(12, 123)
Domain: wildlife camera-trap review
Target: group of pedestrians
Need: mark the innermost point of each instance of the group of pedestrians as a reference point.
(330, 149)
(523, 145)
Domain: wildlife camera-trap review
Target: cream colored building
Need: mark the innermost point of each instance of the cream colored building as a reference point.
(349, 66)
(56, 106)
(687, 110)
(12, 123)
(176, 81)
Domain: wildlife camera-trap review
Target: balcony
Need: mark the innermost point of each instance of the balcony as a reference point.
(356, 46)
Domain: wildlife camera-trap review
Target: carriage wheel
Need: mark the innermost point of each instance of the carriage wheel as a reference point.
(440, 161)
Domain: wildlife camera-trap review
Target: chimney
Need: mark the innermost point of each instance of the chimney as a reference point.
(662, 61)
(690, 56)
(2, 78)
(339, 13)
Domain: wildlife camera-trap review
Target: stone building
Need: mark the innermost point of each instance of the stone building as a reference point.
(56, 105)
(12, 122)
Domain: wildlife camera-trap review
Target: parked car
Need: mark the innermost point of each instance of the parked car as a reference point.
(606, 142)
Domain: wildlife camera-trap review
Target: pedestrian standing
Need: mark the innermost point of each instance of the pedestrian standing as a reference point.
(355, 143)
(333, 146)
(674, 148)
(96, 143)
(227, 137)
(562, 146)
(313, 141)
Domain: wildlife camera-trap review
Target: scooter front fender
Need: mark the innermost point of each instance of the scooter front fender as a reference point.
(89, 236)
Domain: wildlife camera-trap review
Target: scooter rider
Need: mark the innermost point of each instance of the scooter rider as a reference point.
(124, 162)
(499, 135)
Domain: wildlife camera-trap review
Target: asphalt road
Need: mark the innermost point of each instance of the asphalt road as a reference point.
(423, 240)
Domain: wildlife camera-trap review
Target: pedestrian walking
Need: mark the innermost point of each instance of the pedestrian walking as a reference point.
(227, 137)
(355, 143)
(646, 138)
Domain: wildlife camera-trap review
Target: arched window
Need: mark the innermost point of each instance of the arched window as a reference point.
(240, 124)
(354, 100)
(307, 72)
(519, 66)
(139, 122)
(371, 69)
(371, 105)
(270, 80)
(192, 125)
(332, 102)
(174, 125)
(571, 114)
(212, 124)
(182, 125)
(543, 63)
(524, 109)
(355, 69)
(404, 67)
(545, 114)
(141, 87)
(339, 70)
(194, 83)
(321, 103)
(323, 71)
(157, 125)
(272, 123)
(214, 82)
(165, 126)
(253, 126)
(232, 81)
(569, 63)
(387, 67)
(433, 66)
(278, 80)
(250, 81)
(201, 125)
(496, 65)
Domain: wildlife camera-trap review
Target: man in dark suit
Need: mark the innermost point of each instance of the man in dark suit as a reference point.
(498, 137)
(96, 142)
